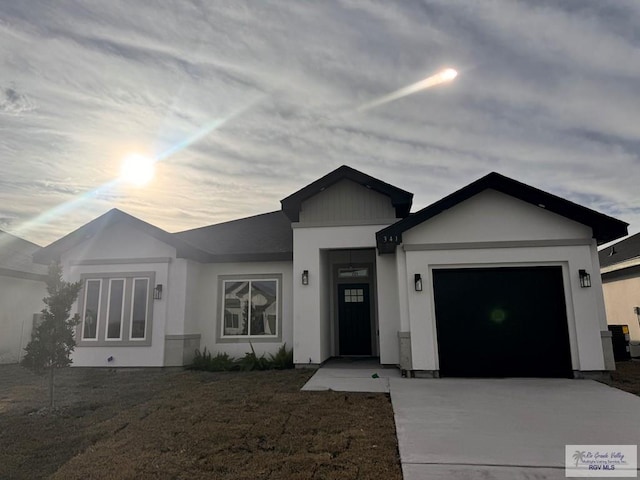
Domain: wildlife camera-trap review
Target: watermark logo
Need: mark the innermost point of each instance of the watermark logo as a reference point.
(601, 461)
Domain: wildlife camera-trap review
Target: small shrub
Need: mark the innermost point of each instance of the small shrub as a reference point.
(283, 359)
(222, 362)
(251, 361)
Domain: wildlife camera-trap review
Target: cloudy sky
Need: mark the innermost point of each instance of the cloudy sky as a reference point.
(247, 101)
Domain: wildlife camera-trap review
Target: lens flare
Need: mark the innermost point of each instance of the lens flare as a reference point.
(54, 213)
(448, 74)
(444, 76)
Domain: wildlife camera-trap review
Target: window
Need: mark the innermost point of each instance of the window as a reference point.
(139, 308)
(352, 272)
(250, 308)
(116, 308)
(91, 309)
(354, 295)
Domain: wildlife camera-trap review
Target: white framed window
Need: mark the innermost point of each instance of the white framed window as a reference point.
(250, 308)
(115, 309)
(139, 308)
(91, 310)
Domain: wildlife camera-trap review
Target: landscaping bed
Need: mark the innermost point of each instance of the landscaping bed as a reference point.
(159, 423)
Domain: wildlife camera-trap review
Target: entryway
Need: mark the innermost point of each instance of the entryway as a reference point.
(353, 302)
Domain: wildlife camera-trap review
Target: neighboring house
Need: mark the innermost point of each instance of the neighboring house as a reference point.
(620, 269)
(485, 282)
(22, 288)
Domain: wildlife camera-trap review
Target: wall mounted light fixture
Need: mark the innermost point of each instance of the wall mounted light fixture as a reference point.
(585, 278)
(157, 292)
(305, 277)
(417, 280)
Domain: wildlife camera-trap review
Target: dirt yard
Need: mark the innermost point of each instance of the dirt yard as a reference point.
(627, 377)
(145, 423)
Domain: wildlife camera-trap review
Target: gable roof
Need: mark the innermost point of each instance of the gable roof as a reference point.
(400, 199)
(605, 228)
(624, 250)
(54, 251)
(266, 237)
(16, 258)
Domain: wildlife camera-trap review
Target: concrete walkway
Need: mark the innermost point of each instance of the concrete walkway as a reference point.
(487, 429)
(352, 375)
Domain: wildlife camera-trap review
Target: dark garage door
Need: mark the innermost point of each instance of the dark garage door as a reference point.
(501, 322)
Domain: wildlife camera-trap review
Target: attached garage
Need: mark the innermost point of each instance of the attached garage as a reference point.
(490, 284)
(501, 322)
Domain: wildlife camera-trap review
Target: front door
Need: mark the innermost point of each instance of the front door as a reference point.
(354, 319)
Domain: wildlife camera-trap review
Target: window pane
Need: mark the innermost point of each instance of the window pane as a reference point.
(353, 272)
(236, 308)
(139, 308)
(91, 306)
(264, 304)
(116, 296)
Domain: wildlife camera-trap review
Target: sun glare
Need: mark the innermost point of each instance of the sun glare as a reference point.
(137, 170)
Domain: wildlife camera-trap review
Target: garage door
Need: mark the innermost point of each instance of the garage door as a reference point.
(501, 322)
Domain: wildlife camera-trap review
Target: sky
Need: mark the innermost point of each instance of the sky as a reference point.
(244, 102)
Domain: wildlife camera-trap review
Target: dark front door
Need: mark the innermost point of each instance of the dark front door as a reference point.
(354, 319)
(502, 322)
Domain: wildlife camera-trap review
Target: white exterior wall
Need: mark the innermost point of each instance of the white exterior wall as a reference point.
(389, 321)
(484, 231)
(120, 249)
(621, 296)
(175, 291)
(191, 324)
(208, 307)
(494, 216)
(311, 317)
(19, 299)
(583, 314)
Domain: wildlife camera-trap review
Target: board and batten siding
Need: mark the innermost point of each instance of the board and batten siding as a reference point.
(346, 201)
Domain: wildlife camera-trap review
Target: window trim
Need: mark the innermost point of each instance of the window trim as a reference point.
(221, 337)
(84, 309)
(125, 330)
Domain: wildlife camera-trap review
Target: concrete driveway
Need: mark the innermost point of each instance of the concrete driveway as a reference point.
(505, 428)
(490, 429)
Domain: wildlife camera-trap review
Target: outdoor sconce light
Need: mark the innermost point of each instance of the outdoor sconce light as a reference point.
(585, 278)
(157, 292)
(305, 277)
(417, 280)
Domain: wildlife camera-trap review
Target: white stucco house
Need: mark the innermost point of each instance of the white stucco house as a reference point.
(485, 282)
(620, 269)
(22, 288)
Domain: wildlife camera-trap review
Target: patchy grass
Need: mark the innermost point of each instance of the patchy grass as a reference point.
(626, 377)
(148, 423)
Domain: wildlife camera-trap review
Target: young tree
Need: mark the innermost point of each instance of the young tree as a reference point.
(53, 341)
